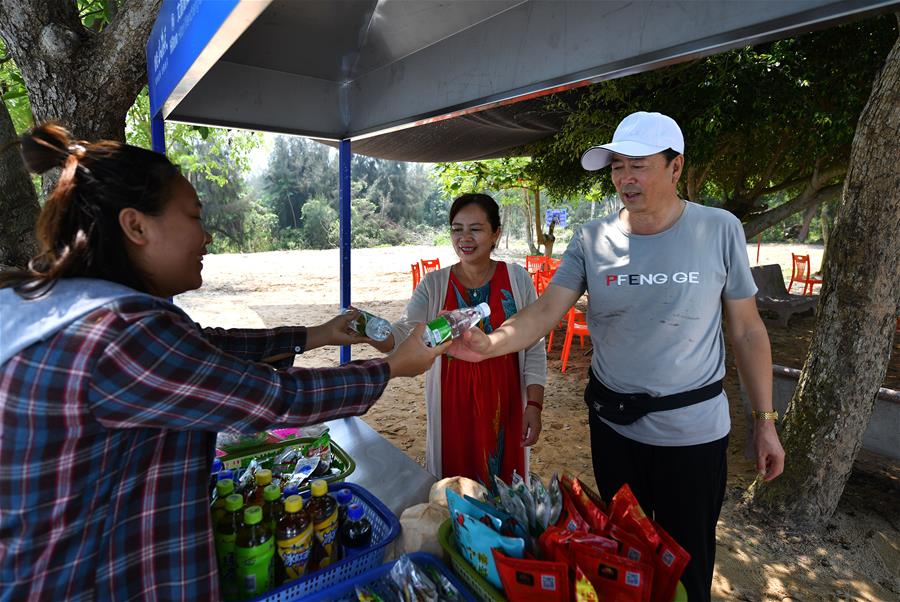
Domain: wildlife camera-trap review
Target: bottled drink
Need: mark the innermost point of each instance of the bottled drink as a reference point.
(294, 538)
(453, 324)
(225, 474)
(290, 490)
(224, 488)
(377, 329)
(262, 479)
(254, 553)
(226, 529)
(214, 475)
(323, 512)
(356, 533)
(343, 498)
(272, 506)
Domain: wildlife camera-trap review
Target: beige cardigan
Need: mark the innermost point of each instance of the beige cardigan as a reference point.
(426, 303)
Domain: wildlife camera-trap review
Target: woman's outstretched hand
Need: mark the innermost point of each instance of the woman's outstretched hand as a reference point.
(412, 357)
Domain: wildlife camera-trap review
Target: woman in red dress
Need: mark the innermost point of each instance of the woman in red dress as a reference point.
(481, 416)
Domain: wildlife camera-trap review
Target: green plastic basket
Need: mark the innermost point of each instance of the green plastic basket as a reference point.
(478, 584)
(342, 465)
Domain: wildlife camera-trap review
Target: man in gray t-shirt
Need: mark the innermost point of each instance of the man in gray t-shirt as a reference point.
(659, 276)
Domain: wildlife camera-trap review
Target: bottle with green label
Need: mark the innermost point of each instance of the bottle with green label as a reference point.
(254, 553)
(294, 538)
(226, 529)
(370, 325)
(454, 323)
(323, 510)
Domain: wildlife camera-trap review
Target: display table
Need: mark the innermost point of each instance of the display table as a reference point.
(381, 468)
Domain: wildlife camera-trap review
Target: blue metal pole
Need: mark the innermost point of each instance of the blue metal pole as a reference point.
(344, 156)
(158, 134)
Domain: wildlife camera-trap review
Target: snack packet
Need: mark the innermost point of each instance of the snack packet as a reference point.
(475, 541)
(527, 580)
(614, 578)
(511, 502)
(625, 511)
(584, 589)
(414, 584)
(671, 560)
(632, 546)
(302, 471)
(570, 518)
(321, 447)
(588, 503)
(500, 521)
(542, 505)
(518, 486)
(555, 499)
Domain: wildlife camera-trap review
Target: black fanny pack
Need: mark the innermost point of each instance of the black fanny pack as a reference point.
(625, 408)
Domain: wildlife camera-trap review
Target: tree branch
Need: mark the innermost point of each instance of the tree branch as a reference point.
(809, 197)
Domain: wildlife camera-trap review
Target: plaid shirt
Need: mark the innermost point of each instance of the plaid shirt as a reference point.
(107, 434)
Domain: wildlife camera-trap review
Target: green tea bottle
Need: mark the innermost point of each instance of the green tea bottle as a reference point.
(224, 488)
(226, 529)
(272, 506)
(254, 552)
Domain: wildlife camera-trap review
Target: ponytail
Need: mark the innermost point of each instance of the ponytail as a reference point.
(78, 228)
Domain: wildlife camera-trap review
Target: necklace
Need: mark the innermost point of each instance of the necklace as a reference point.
(473, 281)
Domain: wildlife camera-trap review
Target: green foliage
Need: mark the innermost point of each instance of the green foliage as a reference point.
(320, 225)
(756, 118)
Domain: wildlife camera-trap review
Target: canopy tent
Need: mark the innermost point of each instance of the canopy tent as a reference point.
(369, 70)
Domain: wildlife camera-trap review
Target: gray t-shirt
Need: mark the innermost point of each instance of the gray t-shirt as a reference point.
(655, 313)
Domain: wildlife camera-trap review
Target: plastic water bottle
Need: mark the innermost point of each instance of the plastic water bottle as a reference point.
(377, 329)
(453, 324)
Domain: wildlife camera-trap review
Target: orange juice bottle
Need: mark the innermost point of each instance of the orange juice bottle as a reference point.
(294, 538)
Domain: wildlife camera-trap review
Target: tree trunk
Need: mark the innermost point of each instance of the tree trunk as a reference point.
(526, 211)
(538, 222)
(831, 407)
(18, 203)
(807, 220)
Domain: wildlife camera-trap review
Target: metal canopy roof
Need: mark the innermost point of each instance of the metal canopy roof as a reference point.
(339, 69)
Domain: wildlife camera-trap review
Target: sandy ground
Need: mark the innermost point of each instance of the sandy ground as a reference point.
(856, 557)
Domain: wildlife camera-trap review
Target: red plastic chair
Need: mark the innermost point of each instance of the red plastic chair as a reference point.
(430, 265)
(801, 273)
(576, 324)
(541, 280)
(416, 274)
(535, 263)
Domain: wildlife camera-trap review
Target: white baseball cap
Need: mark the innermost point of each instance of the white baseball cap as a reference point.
(640, 134)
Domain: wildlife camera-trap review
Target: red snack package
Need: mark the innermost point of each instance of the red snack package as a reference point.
(596, 541)
(570, 518)
(632, 546)
(554, 543)
(584, 590)
(626, 512)
(671, 560)
(616, 579)
(589, 504)
(532, 580)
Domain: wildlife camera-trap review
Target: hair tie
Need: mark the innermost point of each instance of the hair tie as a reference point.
(77, 150)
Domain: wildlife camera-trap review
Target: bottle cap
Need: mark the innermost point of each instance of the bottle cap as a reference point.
(252, 515)
(233, 502)
(484, 308)
(271, 493)
(216, 466)
(318, 488)
(343, 496)
(224, 488)
(225, 474)
(263, 477)
(290, 490)
(293, 504)
(355, 512)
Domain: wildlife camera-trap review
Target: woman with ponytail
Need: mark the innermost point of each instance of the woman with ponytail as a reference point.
(111, 397)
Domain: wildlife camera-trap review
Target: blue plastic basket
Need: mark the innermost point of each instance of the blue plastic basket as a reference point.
(385, 529)
(346, 592)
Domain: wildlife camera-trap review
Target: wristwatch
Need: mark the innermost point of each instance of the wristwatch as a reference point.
(773, 415)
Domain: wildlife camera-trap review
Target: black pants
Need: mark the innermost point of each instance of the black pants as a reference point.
(682, 488)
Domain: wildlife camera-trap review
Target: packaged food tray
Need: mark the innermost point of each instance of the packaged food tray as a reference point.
(346, 592)
(480, 586)
(342, 465)
(385, 529)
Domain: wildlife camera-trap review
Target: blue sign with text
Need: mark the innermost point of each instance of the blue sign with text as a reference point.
(560, 216)
(180, 34)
